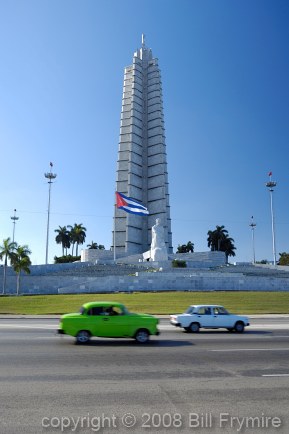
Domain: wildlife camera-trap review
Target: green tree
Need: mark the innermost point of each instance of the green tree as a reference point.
(21, 262)
(77, 235)
(7, 251)
(63, 238)
(186, 248)
(219, 240)
(227, 246)
(215, 237)
(92, 246)
(95, 246)
(284, 259)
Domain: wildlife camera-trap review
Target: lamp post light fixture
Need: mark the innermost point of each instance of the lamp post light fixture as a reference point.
(14, 218)
(270, 185)
(253, 225)
(50, 176)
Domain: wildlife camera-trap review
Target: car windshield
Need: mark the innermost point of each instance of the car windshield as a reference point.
(125, 310)
(81, 310)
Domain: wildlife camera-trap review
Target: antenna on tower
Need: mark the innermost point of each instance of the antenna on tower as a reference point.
(143, 39)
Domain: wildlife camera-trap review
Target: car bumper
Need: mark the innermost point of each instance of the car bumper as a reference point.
(176, 324)
(60, 332)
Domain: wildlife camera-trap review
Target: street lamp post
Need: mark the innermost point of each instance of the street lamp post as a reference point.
(270, 185)
(50, 176)
(14, 218)
(253, 225)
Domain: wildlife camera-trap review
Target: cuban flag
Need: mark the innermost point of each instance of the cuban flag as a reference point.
(130, 205)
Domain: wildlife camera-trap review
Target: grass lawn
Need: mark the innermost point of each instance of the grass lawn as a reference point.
(240, 302)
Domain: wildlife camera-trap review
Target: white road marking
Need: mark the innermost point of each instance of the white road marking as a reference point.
(275, 375)
(249, 349)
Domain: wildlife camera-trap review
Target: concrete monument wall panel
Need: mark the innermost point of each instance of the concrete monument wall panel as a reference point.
(137, 180)
(155, 170)
(157, 122)
(136, 139)
(136, 193)
(156, 140)
(136, 158)
(125, 115)
(155, 131)
(126, 130)
(123, 176)
(136, 170)
(155, 106)
(154, 114)
(156, 149)
(156, 160)
(156, 193)
(156, 205)
(156, 181)
(136, 112)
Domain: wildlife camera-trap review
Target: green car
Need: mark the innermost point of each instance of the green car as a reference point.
(110, 320)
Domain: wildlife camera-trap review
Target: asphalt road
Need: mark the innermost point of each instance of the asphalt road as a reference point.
(210, 382)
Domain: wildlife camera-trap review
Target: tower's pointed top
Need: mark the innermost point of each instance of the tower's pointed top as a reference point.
(143, 40)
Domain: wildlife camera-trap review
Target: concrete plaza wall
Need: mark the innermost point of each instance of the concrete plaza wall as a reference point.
(147, 281)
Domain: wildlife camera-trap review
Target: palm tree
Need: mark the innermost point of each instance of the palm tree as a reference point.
(92, 246)
(219, 240)
(186, 248)
(228, 247)
(7, 252)
(63, 237)
(77, 235)
(215, 237)
(21, 262)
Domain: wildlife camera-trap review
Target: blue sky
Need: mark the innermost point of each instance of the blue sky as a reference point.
(225, 69)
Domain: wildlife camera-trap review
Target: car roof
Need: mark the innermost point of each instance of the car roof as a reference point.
(102, 303)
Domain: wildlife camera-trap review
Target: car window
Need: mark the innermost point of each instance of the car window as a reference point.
(204, 311)
(220, 311)
(223, 311)
(97, 310)
(190, 310)
(82, 310)
(113, 311)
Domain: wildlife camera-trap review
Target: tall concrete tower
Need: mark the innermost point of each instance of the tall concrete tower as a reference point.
(142, 163)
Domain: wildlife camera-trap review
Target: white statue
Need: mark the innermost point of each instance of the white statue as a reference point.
(158, 246)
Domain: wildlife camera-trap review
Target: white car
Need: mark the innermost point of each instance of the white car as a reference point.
(209, 316)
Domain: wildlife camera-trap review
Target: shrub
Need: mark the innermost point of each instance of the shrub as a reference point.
(65, 259)
(178, 263)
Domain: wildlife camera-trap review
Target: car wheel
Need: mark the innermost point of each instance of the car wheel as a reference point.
(142, 336)
(82, 337)
(239, 327)
(194, 327)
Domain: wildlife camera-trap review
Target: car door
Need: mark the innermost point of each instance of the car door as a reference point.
(114, 323)
(94, 320)
(204, 316)
(221, 318)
